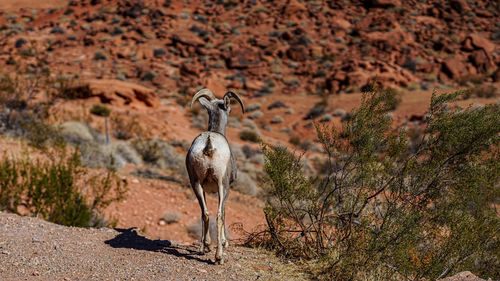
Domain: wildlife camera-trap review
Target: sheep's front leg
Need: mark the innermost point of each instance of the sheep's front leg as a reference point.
(205, 238)
(220, 226)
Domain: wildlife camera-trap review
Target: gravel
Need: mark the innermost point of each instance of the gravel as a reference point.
(33, 249)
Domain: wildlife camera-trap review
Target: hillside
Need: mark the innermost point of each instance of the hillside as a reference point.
(259, 47)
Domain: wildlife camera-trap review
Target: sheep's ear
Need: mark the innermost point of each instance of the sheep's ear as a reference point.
(206, 103)
(227, 102)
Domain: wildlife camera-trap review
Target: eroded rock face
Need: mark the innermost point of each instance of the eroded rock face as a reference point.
(123, 93)
(454, 68)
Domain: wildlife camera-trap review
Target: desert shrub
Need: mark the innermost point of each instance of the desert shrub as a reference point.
(257, 159)
(248, 134)
(126, 151)
(75, 132)
(162, 155)
(481, 91)
(256, 114)
(314, 112)
(26, 95)
(71, 89)
(304, 144)
(149, 76)
(237, 151)
(380, 208)
(250, 152)
(148, 149)
(100, 110)
(26, 124)
(245, 184)
(100, 55)
(253, 106)
(149, 173)
(126, 128)
(295, 140)
(475, 79)
(54, 189)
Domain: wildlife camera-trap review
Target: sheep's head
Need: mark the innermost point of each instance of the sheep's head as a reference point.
(218, 109)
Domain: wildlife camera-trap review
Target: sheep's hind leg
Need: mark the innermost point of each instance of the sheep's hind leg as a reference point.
(225, 241)
(220, 226)
(205, 238)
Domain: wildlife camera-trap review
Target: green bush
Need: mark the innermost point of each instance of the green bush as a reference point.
(53, 189)
(100, 110)
(381, 209)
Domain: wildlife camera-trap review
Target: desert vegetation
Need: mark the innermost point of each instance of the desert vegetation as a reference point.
(53, 183)
(58, 190)
(381, 211)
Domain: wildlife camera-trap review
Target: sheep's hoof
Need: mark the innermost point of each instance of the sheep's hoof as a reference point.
(219, 261)
(205, 249)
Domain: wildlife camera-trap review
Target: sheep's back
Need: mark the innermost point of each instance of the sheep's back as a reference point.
(210, 163)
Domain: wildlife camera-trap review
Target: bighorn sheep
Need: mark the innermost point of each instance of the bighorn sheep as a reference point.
(211, 165)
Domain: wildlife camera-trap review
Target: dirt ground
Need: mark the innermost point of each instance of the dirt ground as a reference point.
(33, 249)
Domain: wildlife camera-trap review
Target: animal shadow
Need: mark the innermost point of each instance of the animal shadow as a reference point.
(129, 239)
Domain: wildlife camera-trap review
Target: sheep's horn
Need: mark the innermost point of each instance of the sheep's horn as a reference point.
(231, 94)
(203, 93)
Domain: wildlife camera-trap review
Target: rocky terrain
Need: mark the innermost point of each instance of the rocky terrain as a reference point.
(259, 47)
(32, 249)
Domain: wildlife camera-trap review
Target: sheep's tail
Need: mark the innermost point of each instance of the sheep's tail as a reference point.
(209, 149)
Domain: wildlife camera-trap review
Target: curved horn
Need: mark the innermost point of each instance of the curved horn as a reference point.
(231, 94)
(203, 93)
